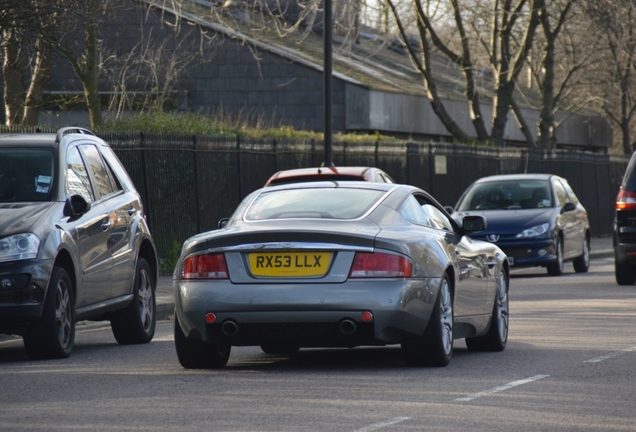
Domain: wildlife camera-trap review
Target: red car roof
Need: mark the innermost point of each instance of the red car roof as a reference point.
(327, 173)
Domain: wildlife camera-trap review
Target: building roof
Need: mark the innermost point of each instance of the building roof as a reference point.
(393, 96)
(372, 62)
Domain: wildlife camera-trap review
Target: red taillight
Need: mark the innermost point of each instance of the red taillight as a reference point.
(380, 265)
(625, 200)
(207, 266)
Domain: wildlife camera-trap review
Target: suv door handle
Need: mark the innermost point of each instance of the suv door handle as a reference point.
(105, 225)
(132, 211)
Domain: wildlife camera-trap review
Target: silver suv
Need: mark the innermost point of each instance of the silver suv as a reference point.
(74, 243)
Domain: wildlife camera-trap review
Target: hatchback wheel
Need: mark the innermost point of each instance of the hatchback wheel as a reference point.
(136, 323)
(53, 334)
(582, 263)
(196, 354)
(556, 268)
(435, 347)
(497, 336)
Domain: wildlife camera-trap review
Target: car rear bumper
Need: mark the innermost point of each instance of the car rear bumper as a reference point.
(306, 315)
(625, 252)
(624, 237)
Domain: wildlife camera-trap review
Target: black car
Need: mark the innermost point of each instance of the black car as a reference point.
(624, 233)
(536, 219)
(74, 243)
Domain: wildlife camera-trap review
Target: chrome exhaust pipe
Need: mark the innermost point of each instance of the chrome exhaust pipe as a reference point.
(230, 328)
(348, 327)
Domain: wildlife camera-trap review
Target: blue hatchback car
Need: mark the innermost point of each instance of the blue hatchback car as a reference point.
(536, 219)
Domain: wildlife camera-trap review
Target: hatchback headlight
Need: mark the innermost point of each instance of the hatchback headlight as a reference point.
(535, 231)
(19, 247)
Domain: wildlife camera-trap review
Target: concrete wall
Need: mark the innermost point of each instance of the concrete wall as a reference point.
(370, 110)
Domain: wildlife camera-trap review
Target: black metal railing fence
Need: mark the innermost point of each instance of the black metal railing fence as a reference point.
(190, 182)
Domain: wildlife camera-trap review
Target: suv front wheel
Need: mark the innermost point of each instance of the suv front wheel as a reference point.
(52, 336)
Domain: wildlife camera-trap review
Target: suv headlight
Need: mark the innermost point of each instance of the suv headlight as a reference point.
(535, 231)
(19, 247)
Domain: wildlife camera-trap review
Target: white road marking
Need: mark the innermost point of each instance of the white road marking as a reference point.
(501, 388)
(378, 426)
(610, 355)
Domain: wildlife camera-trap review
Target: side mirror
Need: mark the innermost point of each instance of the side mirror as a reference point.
(77, 205)
(223, 222)
(473, 223)
(568, 207)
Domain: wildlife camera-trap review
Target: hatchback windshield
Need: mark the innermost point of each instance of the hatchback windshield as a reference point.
(338, 203)
(25, 174)
(525, 194)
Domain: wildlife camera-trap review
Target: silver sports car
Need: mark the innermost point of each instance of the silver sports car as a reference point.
(340, 264)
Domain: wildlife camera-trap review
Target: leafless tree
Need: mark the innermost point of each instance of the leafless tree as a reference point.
(146, 78)
(560, 58)
(614, 23)
(23, 53)
(504, 31)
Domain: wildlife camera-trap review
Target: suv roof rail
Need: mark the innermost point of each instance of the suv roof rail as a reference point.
(71, 129)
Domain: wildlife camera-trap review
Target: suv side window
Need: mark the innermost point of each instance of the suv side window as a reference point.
(77, 181)
(101, 175)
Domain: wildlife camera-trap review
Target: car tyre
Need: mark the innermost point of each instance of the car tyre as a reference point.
(196, 354)
(52, 336)
(625, 273)
(135, 324)
(279, 349)
(435, 347)
(556, 268)
(582, 263)
(497, 336)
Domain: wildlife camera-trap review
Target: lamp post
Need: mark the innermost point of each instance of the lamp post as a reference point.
(327, 75)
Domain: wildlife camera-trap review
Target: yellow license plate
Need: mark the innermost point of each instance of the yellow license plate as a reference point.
(289, 264)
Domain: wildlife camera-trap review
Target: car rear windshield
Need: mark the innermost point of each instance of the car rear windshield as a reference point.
(26, 174)
(311, 203)
(521, 194)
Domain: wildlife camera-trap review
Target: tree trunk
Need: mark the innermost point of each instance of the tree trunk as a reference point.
(510, 66)
(472, 95)
(12, 74)
(88, 76)
(546, 122)
(41, 76)
(625, 114)
(91, 88)
(503, 101)
(523, 125)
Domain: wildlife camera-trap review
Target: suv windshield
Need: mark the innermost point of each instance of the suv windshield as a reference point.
(25, 174)
(324, 203)
(524, 194)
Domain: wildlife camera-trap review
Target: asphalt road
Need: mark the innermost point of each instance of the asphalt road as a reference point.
(568, 367)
